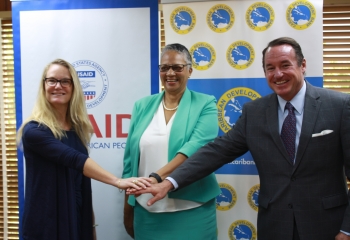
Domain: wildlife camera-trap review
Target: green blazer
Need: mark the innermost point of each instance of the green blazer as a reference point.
(195, 124)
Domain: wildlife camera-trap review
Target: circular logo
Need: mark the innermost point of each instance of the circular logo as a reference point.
(260, 16)
(93, 80)
(240, 55)
(220, 18)
(253, 196)
(301, 14)
(242, 229)
(203, 55)
(230, 106)
(227, 198)
(182, 20)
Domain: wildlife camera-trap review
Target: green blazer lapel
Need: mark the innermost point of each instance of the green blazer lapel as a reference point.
(143, 118)
(148, 112)
(179, 128)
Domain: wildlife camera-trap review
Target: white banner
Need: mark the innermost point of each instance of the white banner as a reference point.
(226, 39)
(103, 42)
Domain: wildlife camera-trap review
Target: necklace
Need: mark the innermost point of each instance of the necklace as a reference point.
(169, 109)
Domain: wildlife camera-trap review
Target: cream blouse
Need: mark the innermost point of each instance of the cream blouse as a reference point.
(153, 156)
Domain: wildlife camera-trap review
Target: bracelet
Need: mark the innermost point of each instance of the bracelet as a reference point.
(118, 182)
(156, 176)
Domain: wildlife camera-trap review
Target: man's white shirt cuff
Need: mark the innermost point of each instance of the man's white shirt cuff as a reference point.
(170, 179)
(346, 233)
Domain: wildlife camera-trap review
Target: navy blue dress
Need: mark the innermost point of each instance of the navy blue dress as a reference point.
(58, 201)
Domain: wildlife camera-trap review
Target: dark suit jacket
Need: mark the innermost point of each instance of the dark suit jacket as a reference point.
(313, 191)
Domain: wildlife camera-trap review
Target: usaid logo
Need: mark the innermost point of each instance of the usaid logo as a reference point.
(86, 74)
(93, 80)
(242, 229)
(260, 16)
(301, 14)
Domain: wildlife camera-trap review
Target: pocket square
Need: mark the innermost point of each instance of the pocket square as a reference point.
(324, 132)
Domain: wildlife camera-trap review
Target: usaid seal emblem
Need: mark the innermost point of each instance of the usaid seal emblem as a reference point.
(203, 55)
(242, 229)
(301, 14)
(260, 16)
(227, 198)
(230, 106)
(93, 80)
(220, 18)
(253, 196)
(182, 20)
(240, 55)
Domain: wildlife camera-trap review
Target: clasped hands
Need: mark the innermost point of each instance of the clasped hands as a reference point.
(158, 190)
(136, 183)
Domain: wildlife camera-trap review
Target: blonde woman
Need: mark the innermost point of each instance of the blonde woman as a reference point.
(58, 201)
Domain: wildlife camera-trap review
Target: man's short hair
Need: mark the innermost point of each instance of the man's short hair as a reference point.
(288, 41)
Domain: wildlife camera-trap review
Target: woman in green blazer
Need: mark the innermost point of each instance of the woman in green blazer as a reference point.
(166, 129)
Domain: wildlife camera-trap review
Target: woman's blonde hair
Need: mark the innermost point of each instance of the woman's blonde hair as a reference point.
(45, 114)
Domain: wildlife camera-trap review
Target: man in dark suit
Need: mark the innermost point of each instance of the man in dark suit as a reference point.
(301, 153)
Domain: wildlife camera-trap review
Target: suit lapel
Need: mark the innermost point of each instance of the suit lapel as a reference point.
(272, 120)
(311, 109)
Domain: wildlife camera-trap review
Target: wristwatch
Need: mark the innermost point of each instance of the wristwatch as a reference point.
(156, 176)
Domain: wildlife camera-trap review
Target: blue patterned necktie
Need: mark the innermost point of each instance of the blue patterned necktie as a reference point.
(288, 132)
